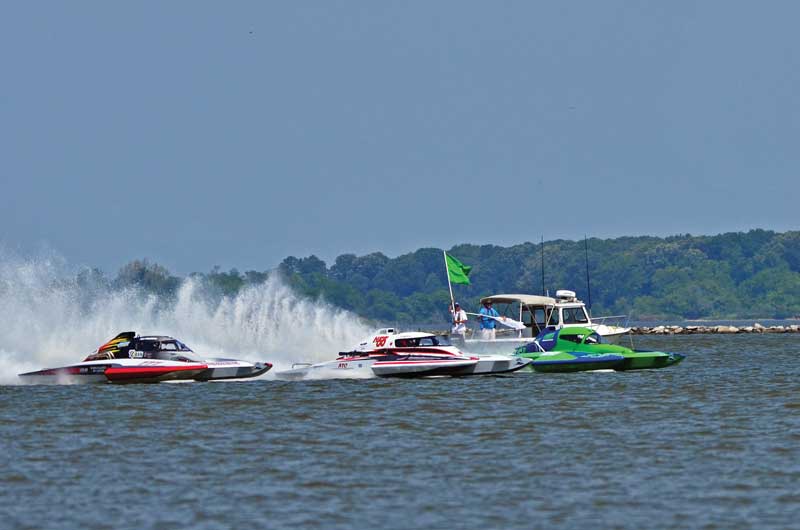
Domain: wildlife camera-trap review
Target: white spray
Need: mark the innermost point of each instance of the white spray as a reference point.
(47, 321)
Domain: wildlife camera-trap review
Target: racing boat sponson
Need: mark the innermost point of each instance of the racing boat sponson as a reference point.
(217, 369)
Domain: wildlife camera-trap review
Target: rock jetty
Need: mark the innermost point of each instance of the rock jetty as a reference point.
(692, 330)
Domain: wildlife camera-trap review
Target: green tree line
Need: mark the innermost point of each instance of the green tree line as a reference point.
(734, 275)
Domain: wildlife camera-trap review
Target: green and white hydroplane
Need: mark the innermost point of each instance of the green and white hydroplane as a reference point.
(576, 349)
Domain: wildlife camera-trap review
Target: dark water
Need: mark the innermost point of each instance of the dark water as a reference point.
(711, 443)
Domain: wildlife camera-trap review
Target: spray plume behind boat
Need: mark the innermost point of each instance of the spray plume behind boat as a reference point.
(48, 320)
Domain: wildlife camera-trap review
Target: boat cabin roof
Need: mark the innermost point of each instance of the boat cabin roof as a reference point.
(524, 299)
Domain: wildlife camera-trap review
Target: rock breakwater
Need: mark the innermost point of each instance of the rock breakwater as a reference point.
(722, 329)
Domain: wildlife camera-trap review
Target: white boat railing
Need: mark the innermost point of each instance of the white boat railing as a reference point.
(612, 320)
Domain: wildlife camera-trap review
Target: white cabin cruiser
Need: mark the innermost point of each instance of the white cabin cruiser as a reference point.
(538, 313)
(388, 353)
(128, 358)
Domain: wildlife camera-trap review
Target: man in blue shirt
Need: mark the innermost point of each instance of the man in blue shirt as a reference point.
(488, 324)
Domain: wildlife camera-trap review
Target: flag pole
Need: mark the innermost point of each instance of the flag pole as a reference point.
(588, 284)
(542, 264)
(449, 285)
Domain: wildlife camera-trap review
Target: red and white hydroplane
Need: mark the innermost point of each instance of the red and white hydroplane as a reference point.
(411, 354)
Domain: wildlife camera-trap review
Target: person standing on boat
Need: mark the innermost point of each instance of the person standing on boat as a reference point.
(459, 322)
(487, 323)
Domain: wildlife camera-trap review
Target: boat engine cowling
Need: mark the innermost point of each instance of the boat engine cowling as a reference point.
(377, 339)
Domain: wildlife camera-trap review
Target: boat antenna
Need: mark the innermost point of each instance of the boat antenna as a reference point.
(588, 284)
(542, 246)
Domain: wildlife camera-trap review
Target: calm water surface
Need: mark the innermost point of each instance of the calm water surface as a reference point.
(711, 443)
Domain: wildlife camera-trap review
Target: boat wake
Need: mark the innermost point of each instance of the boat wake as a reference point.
(330, 373)
(50, 321)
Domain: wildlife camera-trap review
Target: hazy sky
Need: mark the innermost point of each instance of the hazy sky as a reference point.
(237, 133)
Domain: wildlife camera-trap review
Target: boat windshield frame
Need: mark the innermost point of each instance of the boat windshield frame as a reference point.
(569, 315)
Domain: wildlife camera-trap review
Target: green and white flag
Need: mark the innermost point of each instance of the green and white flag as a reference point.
(458, 272)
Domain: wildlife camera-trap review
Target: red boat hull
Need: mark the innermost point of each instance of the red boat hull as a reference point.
(152, 374)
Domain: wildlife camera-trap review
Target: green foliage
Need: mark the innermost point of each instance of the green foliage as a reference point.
(149, 276)
(224, 282)
(736, 275)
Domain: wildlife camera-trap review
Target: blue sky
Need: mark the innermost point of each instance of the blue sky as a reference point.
(207, 133)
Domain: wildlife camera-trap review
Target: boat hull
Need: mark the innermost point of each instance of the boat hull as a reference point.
(359, 368)
(120, 371)
(567, 362)
(152, 374)
(67, 375)
(611, 334)
(422, 368)
(367, 367)
(495, 364)
(646, 360)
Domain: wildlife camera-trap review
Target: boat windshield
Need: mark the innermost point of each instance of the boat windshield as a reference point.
(167, 349)
(594, 338)
(153, 345)
(577, 339)
(575, 315)
(442, 341)
(173, 345)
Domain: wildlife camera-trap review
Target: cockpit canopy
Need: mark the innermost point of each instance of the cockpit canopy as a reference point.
(548, 338)
(154, 344)
(414, 342)
(165, 348)
(128, 345)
